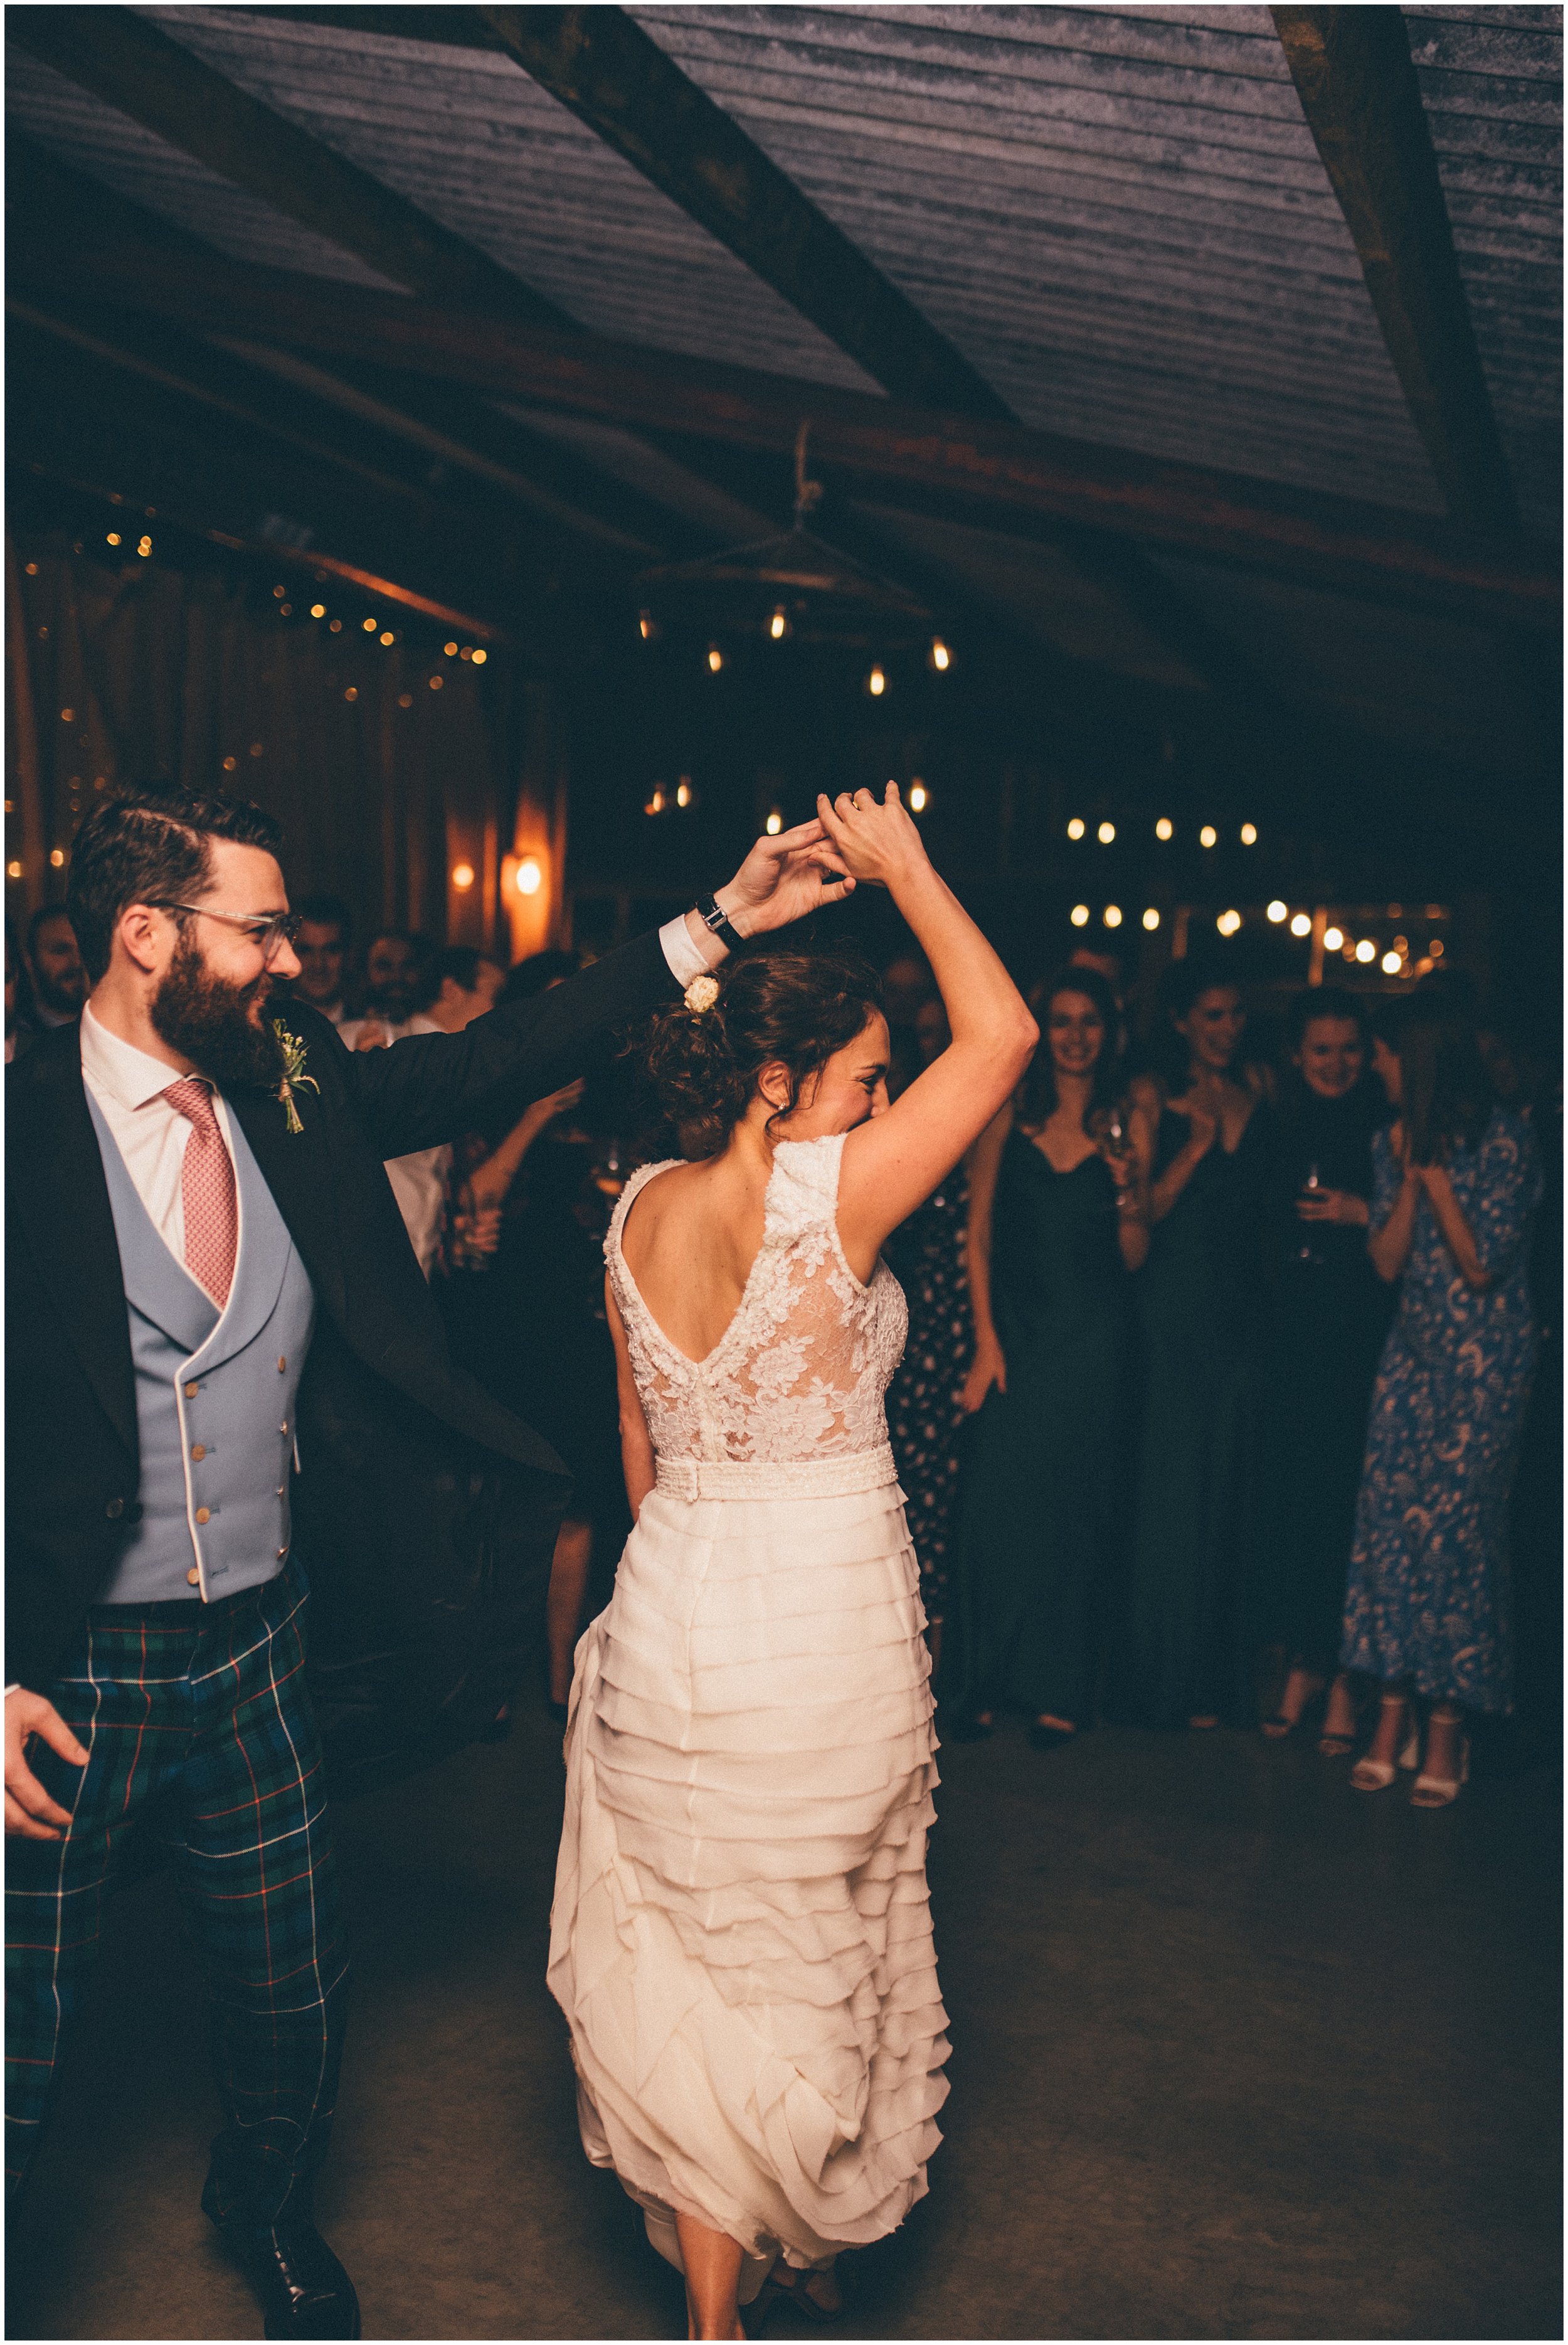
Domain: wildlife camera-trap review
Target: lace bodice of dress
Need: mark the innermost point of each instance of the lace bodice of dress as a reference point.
(800, 1372)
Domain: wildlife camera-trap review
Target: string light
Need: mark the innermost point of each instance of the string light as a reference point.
(1151, 920)
(1112, 915)
(67, 716)
(450, 649)
(941, 658)
(405, 700)
(1249, 834)
(437, 682)
(144, 547)
(1366, 950)
(1106, 833)
(1390, 964)
(1208, 836)
(318, 610)
(278, 593)
(876, 684)
(57, 856)
(114, 537)
(229, 764)
(1277, 911)
(13, 872)
(529, 878)
(918, 798)
(1079, 916)
(655, 804)
(480, 657)
(683, 791)
(645, 625)
(716, 658)
(1301, 926)
(778, 625)
(352, 693)
(1228, 923)
(387, 635)
(1333, 940)
(1401, 946)
(1165, 828)
(774, 824)
(466, 653)
(334, 627)
(370, 627)
(1435, 949)
(1075, 828)
(463, 874)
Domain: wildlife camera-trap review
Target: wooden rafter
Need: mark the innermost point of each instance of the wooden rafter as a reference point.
(1352, 70)
(1178, 508)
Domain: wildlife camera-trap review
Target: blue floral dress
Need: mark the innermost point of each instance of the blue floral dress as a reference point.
(1428, 1597)
(929, 1255)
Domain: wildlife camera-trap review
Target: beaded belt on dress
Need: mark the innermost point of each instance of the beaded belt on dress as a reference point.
(804, 1477)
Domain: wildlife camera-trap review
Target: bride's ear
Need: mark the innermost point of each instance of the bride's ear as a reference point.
(774, 1084)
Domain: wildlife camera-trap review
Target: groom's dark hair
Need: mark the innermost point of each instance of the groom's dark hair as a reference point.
(151, 844)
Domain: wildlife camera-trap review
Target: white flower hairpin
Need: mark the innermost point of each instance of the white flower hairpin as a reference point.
(701, 994)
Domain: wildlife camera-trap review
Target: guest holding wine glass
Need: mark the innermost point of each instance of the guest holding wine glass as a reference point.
(1428, 1613)
(1057, 1220)
(1329, 1314)
(1202, 1137)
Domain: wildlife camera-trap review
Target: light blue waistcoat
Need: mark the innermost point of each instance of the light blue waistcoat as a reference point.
(214, 1396)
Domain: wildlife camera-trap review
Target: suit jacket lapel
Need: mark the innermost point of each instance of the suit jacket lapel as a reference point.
(298, 1170)
(59, 1190)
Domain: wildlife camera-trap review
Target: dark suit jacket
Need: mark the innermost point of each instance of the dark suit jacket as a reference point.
(424, 1512)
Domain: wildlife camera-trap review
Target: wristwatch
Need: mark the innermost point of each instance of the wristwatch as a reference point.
(710, 916)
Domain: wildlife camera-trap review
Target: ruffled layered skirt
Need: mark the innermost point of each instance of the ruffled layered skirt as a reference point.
(740, 1938)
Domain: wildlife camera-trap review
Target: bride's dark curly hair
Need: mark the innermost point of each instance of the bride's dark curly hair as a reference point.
(794, 1008)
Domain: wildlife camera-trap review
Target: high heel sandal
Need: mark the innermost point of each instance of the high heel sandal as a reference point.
(1281, 1726)
(1440, 1792)
(1370, 1774)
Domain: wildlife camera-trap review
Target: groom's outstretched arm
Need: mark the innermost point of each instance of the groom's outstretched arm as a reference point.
(430, 1088)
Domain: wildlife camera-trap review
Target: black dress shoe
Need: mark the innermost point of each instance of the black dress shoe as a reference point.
(302, 2289)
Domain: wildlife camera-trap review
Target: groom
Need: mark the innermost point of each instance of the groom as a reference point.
(209, 1291)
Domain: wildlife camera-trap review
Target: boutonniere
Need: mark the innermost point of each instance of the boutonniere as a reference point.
(294, 1075)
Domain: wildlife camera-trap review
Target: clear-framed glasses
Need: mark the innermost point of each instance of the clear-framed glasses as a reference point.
(266, 930)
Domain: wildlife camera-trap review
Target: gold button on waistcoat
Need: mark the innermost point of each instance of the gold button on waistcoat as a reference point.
(193, 1576)
(204, 1514)
(282, 1364)
(199, 1452)
(191, 1391)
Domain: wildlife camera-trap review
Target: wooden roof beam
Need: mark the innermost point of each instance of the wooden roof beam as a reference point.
(1352, 70)
(1326, 541)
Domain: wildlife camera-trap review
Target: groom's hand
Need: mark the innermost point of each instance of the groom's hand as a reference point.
(30, 1813)
(783, 878)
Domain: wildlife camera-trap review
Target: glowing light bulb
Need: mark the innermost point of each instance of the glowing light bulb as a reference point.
(716, 658)
(1151, 920)
(144, 547)
(1277, 911)
(1075, 828)
(1208, 836)
(1112, 915)
(114, 537)
(56, 857)
(778, 625)
(370, 627)
(655, 804)
(1228, 923)
(1106, 833)
(529, 878)
(683, 792)
(1366, 950)
(1300, 925)
(774, 824)
(876, 684)
(1401, 945)
(918, 799)
(480, 657)
(13, 872)
(1434, 949)
(318, 610)
(1079, 916)
(386, 635)
(1390, 964)
(941, 658)
(645, 625)
(450, 649)
(1165, 828)
(1249, 834)
(463, 874)
(1333, 940)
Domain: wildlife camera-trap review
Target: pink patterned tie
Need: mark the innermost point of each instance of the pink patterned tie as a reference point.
(206, 1191)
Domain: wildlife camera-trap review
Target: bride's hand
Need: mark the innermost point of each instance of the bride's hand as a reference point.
(878, 842)
(783, 879)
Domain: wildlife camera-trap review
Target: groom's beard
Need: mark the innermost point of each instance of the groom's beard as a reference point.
(208, 1022)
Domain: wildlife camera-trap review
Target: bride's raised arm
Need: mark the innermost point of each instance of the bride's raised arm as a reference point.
(892, 1163)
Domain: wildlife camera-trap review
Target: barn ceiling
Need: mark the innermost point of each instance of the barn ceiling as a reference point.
(1214, 349)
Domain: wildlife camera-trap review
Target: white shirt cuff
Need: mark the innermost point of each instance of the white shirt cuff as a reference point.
(687, 958)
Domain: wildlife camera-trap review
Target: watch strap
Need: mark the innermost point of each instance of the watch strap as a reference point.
(713, 920)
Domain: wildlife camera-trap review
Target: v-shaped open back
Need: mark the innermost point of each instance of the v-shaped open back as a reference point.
(801, 1369)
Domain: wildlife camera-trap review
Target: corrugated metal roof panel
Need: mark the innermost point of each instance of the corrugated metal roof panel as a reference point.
(1118, 215)
(1494, 96)
(468, 136)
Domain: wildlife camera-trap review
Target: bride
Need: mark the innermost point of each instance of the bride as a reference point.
(740, 1938)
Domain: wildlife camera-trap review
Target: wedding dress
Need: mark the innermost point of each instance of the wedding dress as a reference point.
(740, 1938)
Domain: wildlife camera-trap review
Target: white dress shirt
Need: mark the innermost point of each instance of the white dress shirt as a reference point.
(420, 1181)
(150, 1133)
(687, 959)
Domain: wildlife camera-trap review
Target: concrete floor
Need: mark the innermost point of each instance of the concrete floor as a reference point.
(1237, 2054)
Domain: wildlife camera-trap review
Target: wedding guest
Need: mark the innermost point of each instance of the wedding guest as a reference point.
(1329, 1314)
(1057, 1220)
(925, 1415)
(405, 984)
(906, 988)
(325, 933)
(54, 968)
(1202, 1137)
(1428, 1613)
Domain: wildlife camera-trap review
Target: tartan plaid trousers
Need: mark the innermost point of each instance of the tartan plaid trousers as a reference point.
(210, 1719)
